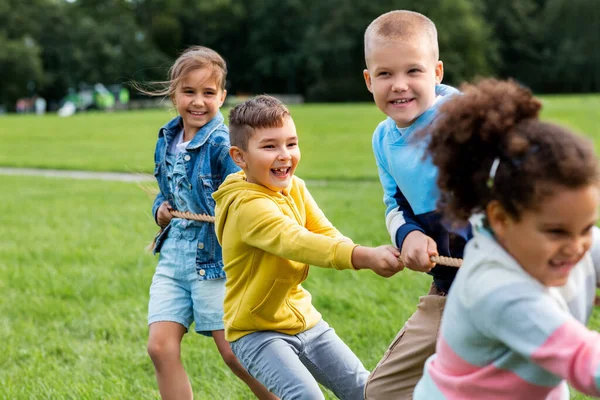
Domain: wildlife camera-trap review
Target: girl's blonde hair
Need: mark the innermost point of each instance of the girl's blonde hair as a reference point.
(193, 58)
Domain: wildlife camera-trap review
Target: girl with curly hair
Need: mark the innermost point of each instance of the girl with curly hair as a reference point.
(514, 323)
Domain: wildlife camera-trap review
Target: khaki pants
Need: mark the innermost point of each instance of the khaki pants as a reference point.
(401, 367)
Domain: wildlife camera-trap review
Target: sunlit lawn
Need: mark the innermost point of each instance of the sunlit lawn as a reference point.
(74, 280)
(335, 139)
(74, 276)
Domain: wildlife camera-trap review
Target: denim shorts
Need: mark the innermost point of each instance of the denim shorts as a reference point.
(178, 295)
(291, 365)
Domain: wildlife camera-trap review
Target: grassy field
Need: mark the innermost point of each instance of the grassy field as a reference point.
(74, 276)
(335, 139)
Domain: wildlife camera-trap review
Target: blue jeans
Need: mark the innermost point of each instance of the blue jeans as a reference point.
(291, 365)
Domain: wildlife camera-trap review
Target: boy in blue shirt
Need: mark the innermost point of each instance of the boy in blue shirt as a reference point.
(404, 74)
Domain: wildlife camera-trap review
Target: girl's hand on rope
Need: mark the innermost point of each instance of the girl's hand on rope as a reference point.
(417, 250)
(382, 260)
(163, 215)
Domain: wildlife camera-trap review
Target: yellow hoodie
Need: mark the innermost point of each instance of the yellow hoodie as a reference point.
(269, 239)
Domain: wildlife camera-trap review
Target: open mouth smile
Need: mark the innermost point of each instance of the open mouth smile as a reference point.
(401, 101)
(281, 172)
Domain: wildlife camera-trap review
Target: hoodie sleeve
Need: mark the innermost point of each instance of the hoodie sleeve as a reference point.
(264, 226)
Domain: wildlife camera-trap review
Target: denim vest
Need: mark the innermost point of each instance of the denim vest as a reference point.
(207, 164)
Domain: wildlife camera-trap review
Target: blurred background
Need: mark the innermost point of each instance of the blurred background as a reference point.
(88, 51)
(74, 275)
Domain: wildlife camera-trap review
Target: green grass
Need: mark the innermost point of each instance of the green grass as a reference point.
(125, 141)
(335, 139)
(580, 113)
(74, 275)
(74, 279)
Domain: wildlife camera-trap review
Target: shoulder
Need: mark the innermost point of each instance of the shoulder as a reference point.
(258, 205)
(489, 277)
(382, 135)
(443, 93)
(170, 128)
(493, 281)
(220, 136)
(445, 90)
(382, 129)
(297, 188)
(298, 182)
(167, 132)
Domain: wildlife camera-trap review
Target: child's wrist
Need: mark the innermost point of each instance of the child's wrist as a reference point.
(359, 257)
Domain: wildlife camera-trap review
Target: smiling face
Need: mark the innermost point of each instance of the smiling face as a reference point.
(549, 241)
(271, 156)
(198, 97)
(402, 76)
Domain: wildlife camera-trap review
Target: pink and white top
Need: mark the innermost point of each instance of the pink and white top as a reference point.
(504, 335)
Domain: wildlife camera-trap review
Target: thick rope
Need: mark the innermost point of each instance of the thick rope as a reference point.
(192, 216)
(447, 261)
(184, 215)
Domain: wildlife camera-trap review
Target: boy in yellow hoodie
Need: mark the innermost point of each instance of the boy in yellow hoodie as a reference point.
(271, 230)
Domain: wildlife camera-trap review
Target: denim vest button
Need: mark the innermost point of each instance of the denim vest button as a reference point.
(200, 246)
(186, 157)
(202, 272)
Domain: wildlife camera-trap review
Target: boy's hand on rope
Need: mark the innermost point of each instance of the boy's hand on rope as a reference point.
(382, 260)
(163, 215)
(417, 250)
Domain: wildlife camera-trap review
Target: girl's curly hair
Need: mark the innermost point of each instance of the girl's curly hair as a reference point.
(499, 119)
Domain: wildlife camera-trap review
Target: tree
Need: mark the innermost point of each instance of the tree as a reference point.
(20, 60)
(333, 44)
(569, 62)
(518, 30)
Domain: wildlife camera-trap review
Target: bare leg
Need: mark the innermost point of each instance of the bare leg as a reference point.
(164, 348)
(232, 362)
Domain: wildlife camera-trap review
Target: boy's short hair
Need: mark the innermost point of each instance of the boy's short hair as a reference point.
(401, 25)
(259, 112)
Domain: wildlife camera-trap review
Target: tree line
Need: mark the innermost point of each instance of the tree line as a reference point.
(310, 47)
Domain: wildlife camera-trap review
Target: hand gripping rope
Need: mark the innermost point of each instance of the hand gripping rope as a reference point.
(448, 261)
(184, 215)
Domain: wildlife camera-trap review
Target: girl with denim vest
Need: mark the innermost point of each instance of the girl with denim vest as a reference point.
(191, 160)
(514, 322)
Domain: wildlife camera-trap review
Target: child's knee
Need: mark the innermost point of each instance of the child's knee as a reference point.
(160, 349)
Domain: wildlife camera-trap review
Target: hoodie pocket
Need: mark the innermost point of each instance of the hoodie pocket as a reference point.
(274, 312)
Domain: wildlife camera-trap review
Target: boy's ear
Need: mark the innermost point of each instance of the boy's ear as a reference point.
(367, 77)
(439, 72)
(238, 156)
